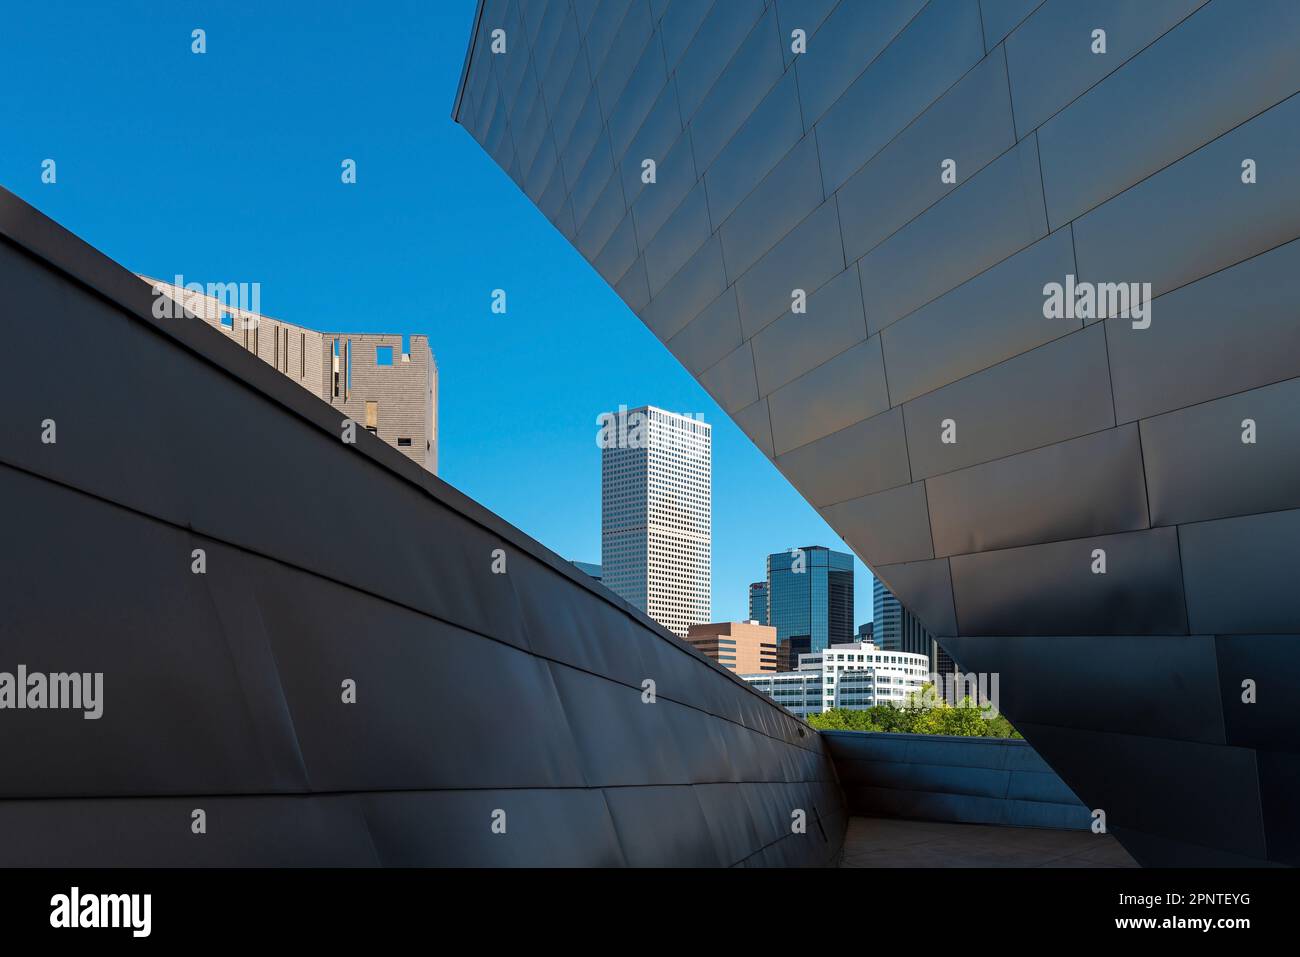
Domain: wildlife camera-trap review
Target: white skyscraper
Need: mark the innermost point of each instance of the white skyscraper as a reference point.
(656, 513)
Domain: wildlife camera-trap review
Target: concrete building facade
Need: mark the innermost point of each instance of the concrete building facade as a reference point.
(387, 384)
(740, 646)
(656, 513)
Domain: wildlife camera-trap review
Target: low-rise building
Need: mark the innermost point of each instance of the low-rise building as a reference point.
(855, 677)
(741, 646)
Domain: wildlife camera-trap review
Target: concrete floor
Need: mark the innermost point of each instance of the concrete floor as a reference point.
(893, 842)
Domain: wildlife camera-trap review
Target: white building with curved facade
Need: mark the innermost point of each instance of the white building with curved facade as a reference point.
(854, 677)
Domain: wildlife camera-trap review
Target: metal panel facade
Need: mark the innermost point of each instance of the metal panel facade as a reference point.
(511, 696)
(955, 157)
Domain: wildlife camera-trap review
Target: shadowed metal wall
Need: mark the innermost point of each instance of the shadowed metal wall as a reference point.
(476, 693)
(934, 777)
(711, 169)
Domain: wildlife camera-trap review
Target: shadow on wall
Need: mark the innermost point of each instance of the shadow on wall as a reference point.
(941, 778)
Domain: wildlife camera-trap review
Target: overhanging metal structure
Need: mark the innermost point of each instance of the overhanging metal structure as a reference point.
(922, 172)
(499, 719)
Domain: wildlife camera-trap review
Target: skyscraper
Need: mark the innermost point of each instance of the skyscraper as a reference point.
(656, 513)
(758, 602)
(810, 598)
(897, 629)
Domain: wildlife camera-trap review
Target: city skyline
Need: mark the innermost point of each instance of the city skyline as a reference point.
(366, 257)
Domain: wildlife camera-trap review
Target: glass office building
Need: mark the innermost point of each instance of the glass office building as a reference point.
(758, 602)
(810, 598)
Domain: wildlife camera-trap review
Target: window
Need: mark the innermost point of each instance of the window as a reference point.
(372, 415)
(227, 320)
(383, 355)
(403, 443)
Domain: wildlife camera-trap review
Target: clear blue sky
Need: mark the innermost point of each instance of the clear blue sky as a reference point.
(225, 167)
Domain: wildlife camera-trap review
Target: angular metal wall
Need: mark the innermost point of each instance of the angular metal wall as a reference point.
(475, 692)
(821, 171)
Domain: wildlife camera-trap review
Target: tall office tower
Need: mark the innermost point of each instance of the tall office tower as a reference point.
(810, 598)
(897, 629)
(656, 513)
(758, 602)
(387, 384)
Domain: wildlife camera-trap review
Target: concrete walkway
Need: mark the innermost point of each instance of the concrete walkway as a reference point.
(894, 842)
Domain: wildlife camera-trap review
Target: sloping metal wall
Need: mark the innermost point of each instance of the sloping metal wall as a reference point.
(476, 693)
(777, 170)
(940, 778)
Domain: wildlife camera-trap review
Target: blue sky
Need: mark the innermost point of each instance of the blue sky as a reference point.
(225, 167)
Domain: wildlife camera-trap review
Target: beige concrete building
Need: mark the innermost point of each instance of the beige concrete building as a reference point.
(386, 385)
(745, 647)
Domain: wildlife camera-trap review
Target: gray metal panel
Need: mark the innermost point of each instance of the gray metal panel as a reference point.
(619, 253)
(731, 381)
(847, 42)
(983, 221)
(1199, 468)
(834, 395)
(1002, 16)
(1111, 683)
(755, 421)
(1279, 781)
(681, 235)
(1130, 777)
(753, 71)
(759, 144)
(644, 86)
(656, 203)
(1088, 486)
(970, 124)
(940, 45)
(708, 337)
(604, 218)
(1240, 574)
(785, 196)
(942, 342)
(805, 15)
(1056, 392)
(590, 183)
(1272, 662)
(714, 44)
(808, 256)
(797, 342)
(1050, 56)
(624, 52)
(868, 457)
(1226, 333)
(1253, 67)
(1018, 591)
(924, 588)
(1154, 232)
(603, 27)
(658, 133)
(679, 25)
(886, 527)
(684, 297)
